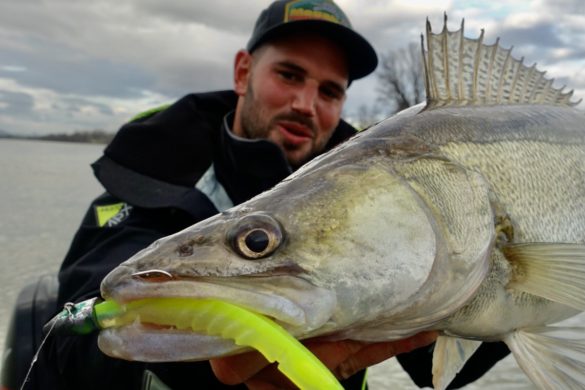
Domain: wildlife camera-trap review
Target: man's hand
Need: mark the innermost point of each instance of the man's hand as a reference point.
(344, 358)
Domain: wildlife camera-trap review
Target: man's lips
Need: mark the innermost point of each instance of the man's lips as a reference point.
(295, 133)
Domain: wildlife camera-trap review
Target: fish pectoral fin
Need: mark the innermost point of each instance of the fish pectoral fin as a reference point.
(555, 271)
(553, 357)
(449, 357)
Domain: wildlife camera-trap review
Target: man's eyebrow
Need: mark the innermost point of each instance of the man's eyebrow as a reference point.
(336, 86)
(294, 67)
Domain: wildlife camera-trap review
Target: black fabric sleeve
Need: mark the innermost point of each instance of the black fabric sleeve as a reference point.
(418, 364)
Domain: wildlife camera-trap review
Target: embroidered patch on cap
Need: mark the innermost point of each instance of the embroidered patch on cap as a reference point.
(112, 214)
(307, 9)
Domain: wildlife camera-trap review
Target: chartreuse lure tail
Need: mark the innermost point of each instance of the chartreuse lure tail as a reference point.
(219, 318)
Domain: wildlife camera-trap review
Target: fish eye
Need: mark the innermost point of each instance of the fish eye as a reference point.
(257, 240)
(255, 236)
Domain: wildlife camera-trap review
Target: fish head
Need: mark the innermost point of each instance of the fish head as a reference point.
(336, 245)
(237, 256)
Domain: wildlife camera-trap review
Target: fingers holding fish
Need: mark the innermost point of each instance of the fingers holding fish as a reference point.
(344, 358)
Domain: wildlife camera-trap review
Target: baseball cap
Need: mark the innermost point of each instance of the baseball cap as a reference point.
(323, 17)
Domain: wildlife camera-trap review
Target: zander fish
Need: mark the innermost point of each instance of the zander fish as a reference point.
(464, 215)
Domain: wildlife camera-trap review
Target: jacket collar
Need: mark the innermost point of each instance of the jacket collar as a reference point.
(246, 167)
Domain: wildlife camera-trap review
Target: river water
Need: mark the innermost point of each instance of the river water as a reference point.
(46, 187)
(45, 190)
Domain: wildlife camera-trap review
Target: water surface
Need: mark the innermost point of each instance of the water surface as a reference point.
(45, 190)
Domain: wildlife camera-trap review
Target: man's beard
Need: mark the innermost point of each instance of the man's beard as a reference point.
(255, 125)
(252, 124)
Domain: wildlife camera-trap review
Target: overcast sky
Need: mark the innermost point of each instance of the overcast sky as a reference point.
(92, 64)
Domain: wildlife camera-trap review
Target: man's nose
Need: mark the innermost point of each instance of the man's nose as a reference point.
(305, 100)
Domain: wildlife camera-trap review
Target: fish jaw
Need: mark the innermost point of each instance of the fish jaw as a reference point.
(299, 307)
(141, 343)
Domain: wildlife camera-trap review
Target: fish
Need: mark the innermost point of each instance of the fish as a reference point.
(464, 215)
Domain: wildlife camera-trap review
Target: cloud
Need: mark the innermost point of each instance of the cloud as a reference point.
(542, 33)
(85, 65)
(115, 49)
(107, 58)
(29, 110)
(12, 68)
(16, 103)
(225, 15)
(60, 69)
(568, 7)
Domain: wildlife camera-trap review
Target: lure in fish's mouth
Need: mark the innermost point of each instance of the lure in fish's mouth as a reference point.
(296, 304)
(215, 317)
(210, 317)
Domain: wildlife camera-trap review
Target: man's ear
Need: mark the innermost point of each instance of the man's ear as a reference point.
(242, 70)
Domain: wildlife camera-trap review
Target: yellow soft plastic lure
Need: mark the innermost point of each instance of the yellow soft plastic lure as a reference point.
(219, 318)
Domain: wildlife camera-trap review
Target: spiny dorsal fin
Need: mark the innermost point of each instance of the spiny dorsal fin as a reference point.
(465, 71)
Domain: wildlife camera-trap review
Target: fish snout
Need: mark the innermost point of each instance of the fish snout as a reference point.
(115, 279)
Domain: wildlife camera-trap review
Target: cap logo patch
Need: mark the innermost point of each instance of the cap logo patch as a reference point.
(307, 9)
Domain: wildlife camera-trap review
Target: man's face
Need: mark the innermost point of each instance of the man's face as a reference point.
(291, 92)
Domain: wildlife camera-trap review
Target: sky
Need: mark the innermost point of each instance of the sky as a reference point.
(81, 65)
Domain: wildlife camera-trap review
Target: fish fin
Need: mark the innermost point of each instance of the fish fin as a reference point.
(464, 71)
(552, 357)
(553, 271)
(449, 357)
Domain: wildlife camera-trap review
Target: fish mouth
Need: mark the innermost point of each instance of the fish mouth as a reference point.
(142, 343)
(281, 309)
(294, 303)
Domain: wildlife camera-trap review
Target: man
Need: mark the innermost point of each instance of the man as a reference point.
(173, 167)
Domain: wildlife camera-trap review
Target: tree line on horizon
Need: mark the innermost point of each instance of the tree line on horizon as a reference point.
(92, 136)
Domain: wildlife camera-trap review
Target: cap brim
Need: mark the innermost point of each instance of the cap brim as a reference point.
(361, 56)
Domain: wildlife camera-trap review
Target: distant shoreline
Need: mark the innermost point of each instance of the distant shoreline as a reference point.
(90, 137)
